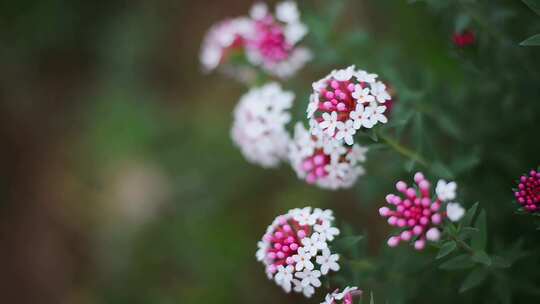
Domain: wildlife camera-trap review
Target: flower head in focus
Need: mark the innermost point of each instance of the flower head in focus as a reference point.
(259, 124)
(417, 214)
(324, 161)
(527, 192)
(345, 101)
(295, 249)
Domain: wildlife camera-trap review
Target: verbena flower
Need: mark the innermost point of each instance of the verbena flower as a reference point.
(345, 297)
(224, 41)
(321, 160)
(345, 101)
(528, 191)
(417, 214)
(295, 249)
(259, 124)
(273, 45)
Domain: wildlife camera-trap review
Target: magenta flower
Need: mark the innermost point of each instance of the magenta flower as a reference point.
(528, 191)
(417, 214)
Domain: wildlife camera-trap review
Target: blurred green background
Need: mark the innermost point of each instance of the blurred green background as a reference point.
(120, 182)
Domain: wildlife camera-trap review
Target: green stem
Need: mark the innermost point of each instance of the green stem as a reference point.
(404, 150)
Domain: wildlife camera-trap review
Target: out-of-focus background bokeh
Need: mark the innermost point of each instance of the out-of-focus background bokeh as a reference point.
(120, 183)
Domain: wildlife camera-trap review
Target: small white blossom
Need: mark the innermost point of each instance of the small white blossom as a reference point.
(303, 260)
(287, 12)
(284, 277)
(326, 231)
(446, 191)
(328, 261)
(345, 131)
(309, 277)
(329, 123)
(454, 211)
(378, 89)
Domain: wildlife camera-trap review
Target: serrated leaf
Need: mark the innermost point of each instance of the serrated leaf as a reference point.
(475, 278)
(478, 241)
(534, 5)
(482, 257)
(446, 249)
(459, 262)
(531, 41)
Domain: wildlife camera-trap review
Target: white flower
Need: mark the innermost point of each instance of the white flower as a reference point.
(329, 299)
(284, 277)
(294, 32)
(362, 95)
(357, 154)
(310, 245)
(312, 106)
(454, 211)
(304, 217)
(378, 89)
(261, 252)
(361, 117)
(345, 131)
(328, 261)
(308, 291)
(446, 191)
(259, 125)
(345, 291)
(363, 76)
(309, 277)
(326, 231)
(344, 74)
(329, 123)
(303, 260)
(433, 234)
(258, 11)
(324, 215)
(377, 114)
(287, 12)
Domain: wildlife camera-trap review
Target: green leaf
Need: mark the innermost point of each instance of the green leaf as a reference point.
(442, 170)
(446, 249)
(482, 257)
(534, 5)
(469, 216)
(467, 232)
(459, 262)
(348, 241)
(500, 262)
(478, 241)
(475, 278)
(531, 41)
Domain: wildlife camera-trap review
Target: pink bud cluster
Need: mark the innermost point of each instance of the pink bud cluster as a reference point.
(295, 249)
(345, 101)
(528, 191)
(324, 161)
(263, 39)
(415, 212)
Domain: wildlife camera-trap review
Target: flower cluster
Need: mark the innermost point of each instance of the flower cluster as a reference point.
(417, 214)
(295, 249)
(345, 101)
(259, 124)
(263, 39)
(346, 296)
(324, 161)
(528, 191)
(273, 45)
